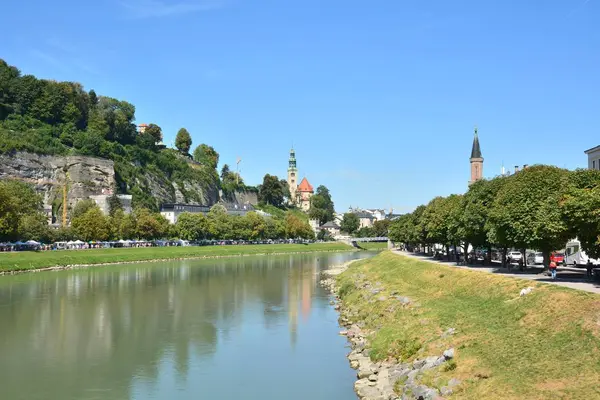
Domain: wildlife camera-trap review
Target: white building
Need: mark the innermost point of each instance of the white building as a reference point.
(593, 158)
(102, 200)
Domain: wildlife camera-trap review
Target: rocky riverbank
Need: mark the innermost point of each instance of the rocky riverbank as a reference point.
(391, 378)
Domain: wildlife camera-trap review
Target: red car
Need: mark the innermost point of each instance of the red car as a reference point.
(558, 258)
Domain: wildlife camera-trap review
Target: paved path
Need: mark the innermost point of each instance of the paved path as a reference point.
(569, 279)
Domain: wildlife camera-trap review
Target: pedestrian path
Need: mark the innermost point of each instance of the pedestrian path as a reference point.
(568, 279)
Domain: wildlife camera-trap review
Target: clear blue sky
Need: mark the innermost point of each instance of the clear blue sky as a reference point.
(378, 97)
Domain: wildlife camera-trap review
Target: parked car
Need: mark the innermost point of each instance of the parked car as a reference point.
(514, 256)
(535, 258)
(557, 257)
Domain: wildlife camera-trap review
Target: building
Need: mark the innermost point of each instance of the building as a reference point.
(141, 128)
(332, 228)
(476, 160)
(304, 193)
(292, 178)
(593, 158)
(301, 194)
(172, 211)
(103, 201)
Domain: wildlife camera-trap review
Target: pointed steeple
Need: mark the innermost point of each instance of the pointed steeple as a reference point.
(476, 150)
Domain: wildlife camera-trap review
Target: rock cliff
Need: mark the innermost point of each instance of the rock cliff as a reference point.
(86, 176)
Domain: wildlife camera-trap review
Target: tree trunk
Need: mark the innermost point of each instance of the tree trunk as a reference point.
(546, 254)
(488, 256)
(504, 250)
(448, 252)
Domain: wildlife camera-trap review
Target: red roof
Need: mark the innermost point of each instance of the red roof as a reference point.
(304, 186)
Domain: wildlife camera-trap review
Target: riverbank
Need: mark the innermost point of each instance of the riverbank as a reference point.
(428, 330)
(12, 262)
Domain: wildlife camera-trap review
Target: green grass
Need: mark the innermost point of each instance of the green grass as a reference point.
(31, 260)
(373, 246)
(545, 345)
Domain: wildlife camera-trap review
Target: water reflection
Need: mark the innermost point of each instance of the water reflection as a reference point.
(121, 332)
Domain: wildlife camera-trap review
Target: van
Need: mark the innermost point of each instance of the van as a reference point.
(575, 256)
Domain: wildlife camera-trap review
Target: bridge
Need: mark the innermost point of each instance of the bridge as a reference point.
(355, 241)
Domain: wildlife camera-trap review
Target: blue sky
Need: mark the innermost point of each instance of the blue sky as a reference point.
(378, 98)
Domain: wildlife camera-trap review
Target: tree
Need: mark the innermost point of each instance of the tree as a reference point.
(380, 228)
(207, 155)
(91, 225)
(35, 227)
(192, 226)
(271, 191)
(17, 200)
(526, 212)
(321, 206)
(150, 225)
(114, 204)
(82, 206)
(477, 204)
(581, 210)
(350, 223)
(295, 228)
(183, 141)
(155, 132)
(256, 226)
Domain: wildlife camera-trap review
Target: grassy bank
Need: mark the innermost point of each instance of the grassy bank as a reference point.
(373, 246)
(33, 260)
(545, 345)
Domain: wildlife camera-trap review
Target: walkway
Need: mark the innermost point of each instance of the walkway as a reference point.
(567, 278)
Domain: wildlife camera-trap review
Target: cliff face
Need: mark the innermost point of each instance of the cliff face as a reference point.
(241, 197)
(86, 176)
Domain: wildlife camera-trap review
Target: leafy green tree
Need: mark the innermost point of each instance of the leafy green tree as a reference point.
(114, 204)
(526, 212)
(183, 141)
(207, 155)
(81, 207)
(350, 223)
(91, 225)
(35, 227)
(271, 191)
(580, 209)
(192, 226)
(477, 204)
(321, 206)
(150, 225)
(256, 226)
(381, 228)
(295, 228)
(155, 132)
(17, 200)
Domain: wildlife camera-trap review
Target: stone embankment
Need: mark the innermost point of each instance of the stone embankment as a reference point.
(392, 378)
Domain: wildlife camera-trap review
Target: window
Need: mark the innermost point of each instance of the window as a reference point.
(593, 164)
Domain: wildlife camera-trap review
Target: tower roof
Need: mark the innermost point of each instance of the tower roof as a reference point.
(304, 186)
(476, 150)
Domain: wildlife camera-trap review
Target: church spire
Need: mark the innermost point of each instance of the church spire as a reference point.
(476, 150)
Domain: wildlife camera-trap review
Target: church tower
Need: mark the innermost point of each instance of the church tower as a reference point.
(292, 178)
(476, 160)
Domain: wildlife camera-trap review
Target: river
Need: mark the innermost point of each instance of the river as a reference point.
(237, 328)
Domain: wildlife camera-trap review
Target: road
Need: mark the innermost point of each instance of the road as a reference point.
(570, 279)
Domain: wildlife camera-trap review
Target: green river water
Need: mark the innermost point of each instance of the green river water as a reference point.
(238, 328)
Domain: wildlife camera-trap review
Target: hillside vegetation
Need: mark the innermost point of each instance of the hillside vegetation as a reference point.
(544, 345)
(61, 118)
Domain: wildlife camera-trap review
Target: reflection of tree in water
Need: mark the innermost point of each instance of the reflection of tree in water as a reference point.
(95, 330)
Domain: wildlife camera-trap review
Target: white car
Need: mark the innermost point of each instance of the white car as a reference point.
(535, 258)
(514, 256)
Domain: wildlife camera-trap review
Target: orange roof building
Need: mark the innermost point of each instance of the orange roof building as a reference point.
(303, 194)
(305, 186)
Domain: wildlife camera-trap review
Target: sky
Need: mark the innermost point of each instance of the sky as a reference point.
(379, 98)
